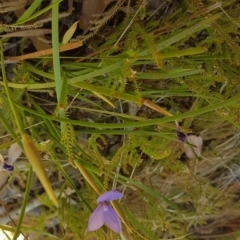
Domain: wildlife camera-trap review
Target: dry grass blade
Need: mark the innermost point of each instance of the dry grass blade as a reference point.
(46, 52)
(7, 6)
(27, 33)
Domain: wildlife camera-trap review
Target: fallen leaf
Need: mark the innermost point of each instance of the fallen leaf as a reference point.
(91, 9)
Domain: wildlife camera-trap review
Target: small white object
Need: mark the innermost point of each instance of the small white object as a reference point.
(10, 234)
(193, 151)
(14, 153)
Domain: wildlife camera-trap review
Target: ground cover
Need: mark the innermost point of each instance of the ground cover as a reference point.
(133, 103)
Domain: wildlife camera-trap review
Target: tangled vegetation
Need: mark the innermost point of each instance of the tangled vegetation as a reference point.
(96, 103)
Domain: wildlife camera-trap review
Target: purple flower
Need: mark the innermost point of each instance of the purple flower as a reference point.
(181, 136)
(8, 167)
(105, 214)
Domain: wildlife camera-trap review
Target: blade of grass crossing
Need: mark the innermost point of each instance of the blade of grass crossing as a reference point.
(24, 203)
(157, 121)
(40, 12)
(28, 13)
(56, 59)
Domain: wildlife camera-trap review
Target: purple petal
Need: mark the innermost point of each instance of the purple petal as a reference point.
(8, 167)
(181, 136)
(111, 219)
(96, 219)
(109, 196)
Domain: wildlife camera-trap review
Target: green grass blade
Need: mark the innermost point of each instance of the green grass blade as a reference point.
(56, 62)
(40, 12)
(157, 121)
(149, 191)
(198, 27)
(30, 10)
(176, 74)
(24, 203)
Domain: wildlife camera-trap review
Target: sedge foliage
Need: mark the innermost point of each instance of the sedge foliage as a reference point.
(166, 195)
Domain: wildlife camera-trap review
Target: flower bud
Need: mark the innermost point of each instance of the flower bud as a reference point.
(35, 160)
